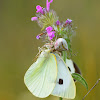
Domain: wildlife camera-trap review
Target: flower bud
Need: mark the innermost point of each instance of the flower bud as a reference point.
(61, 44)
(57, 22)
(48, 4)
(34, 18)
(39, 9)
(68, 21)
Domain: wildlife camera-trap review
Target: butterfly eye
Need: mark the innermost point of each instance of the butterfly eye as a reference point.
(69, 69)
(60, 81)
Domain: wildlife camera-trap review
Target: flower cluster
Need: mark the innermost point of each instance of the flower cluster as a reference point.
(52, 27)
(42, 10)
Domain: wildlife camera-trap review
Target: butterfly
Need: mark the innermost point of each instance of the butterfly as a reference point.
(50, 75)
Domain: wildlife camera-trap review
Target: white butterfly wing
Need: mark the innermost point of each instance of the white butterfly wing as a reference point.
(41, 76)
(69, 63)
(73, 68)
(65, 86)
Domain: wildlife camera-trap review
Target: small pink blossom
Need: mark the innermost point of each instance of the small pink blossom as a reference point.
(49, 29)
(51, 35)
(68, 21)
(39, 9)
(50, 32)
(57, 22)
(37, 37)
(48, 4)
(44, 10)
(34, 18)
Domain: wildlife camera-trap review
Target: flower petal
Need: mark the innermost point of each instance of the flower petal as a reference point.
(48, 5)
(34, 18)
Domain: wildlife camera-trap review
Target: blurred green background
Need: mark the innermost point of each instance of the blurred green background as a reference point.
(18, 44)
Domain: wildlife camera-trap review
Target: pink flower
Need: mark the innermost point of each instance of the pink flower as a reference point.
(49, 29)
(51, 34)
(44, 10)
(68, 21)
(57, 22)
(39, 9)
(48, 5)
(34, 18)
(37, 37)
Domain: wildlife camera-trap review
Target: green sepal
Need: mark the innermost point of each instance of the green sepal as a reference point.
(80, 79)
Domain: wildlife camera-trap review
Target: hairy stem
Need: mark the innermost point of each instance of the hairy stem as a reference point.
(64, 56)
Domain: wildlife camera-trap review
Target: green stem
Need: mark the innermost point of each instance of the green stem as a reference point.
(64, 55)
(60, 98)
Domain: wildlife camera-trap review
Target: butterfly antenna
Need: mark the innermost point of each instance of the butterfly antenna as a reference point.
(92, 88)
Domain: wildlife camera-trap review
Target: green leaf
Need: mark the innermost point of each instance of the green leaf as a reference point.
(79, 78)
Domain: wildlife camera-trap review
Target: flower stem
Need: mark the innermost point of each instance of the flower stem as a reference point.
(64, 56)
(60, 98)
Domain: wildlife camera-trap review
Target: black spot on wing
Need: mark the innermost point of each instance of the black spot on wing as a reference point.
(60, 81)
(69, 68)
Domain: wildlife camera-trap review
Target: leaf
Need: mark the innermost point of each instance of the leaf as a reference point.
(79, 78)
